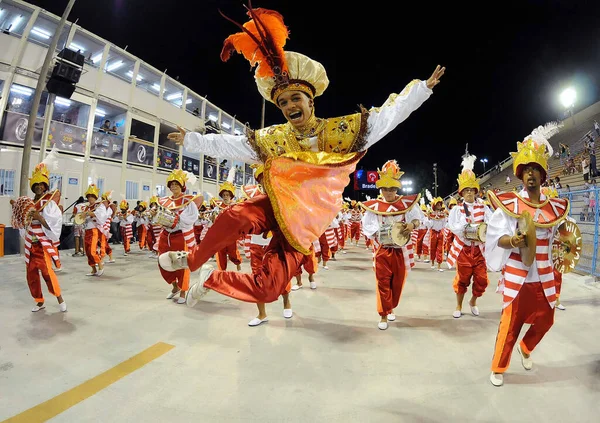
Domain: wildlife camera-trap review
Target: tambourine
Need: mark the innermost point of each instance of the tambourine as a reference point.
(22, 212)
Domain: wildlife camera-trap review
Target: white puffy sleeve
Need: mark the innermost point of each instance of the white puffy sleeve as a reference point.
(370, 224)
(499, 225)
(129, 218)
(54, 219)
(188, 216)
(101, 215)
(415, 213)
(395, 110)
(235, 147)
(488, 214)
(457, 221)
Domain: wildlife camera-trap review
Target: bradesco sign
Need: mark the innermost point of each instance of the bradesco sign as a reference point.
(365, 179)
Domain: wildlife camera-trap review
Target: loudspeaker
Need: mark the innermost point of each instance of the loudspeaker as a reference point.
(60, 88)
(66, 72)
(72, 56)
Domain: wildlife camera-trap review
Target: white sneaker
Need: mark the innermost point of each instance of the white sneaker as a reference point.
(197, 290)
(561, 307)
(433, 267)
(172, 261)
(391, 317)
(313, 285)
(37, 308)
(426, 261)
(497, 379)
(326, 267)
(474, 310)
(181, 300)
(172, 294)
(111, 261)
(58, 270)
(526, 362)
(382, 325)
(256, 321)
(288, 313)
(440, 270)
(456, 314)
(296, 287)
(63, 306)
(344, 252)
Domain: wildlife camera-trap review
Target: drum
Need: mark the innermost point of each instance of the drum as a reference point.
(476, 231)
(22, 212)
(79, 218)
(164, 217)
(391, 235)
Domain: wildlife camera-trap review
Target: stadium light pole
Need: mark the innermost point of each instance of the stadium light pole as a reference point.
(26, 158)
(567, 98)
(484, 161)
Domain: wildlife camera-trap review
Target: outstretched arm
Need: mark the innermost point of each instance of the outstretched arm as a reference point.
(398, 107)
(216, 145)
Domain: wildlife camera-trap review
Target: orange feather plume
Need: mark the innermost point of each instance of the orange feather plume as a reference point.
(260, 42)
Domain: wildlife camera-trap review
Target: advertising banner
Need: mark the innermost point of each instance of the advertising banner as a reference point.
(140, 153)
(15, 128)
(107, 145)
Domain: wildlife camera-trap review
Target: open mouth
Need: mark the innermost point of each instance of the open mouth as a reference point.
(295, 115)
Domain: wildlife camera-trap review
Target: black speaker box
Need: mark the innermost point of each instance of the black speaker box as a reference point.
(60, 87)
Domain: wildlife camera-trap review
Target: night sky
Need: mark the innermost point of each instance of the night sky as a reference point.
(507, 63)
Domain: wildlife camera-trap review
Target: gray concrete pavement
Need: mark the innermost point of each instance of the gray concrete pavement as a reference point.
(329, 363)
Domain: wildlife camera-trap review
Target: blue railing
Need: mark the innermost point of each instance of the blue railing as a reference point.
(584, 209)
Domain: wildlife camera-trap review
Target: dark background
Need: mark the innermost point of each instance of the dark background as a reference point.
(507, 62)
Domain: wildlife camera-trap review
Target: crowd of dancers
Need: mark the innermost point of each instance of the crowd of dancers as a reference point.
(294, 219)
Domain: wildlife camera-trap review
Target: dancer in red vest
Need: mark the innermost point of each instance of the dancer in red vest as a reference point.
(448, 234)
(178, 228)
(231, 251)
(40, 233)
(95, 217)
(529, 290)
(125, 219)
(466, 253)
(391, 260)
(437, 219)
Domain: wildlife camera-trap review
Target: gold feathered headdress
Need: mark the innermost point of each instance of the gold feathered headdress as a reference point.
(228, 185)
(261, 42)
(467, 178)
(389, 175)
(535, 148)
(41, 173)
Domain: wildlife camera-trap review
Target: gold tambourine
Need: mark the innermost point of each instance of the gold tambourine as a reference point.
(566, 247)
(79, 218)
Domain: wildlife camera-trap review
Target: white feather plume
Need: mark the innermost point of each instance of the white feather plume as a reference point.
(93, 175)
(368, 198)
(347, 199)
(51, 159)
(468, 162)
(422, 201)
(191, 179)
(542, 133)
(428, 195)
(231, 175)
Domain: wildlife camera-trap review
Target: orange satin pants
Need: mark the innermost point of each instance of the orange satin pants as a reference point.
(470, 263)
(436, 246)
(92, 240)
(231, 251)
(390, 272)
(40, 262)
(309, 262)
(280, 261)
(530, 306)
(174, 242)
(142, 234)
(325, 252)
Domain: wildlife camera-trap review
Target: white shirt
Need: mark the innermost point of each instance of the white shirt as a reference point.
(100, 219)
(458, 220)
(371, 222)
(381, 121)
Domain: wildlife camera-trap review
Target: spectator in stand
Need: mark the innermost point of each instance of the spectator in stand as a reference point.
(590, 144)
(585, 169)
(106, 126)
(593, 168)
(563, 150)
(557, 184)
(507, 179)
(592, 213)
(597, 127)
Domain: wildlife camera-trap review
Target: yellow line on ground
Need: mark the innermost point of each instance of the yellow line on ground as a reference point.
(60, 403)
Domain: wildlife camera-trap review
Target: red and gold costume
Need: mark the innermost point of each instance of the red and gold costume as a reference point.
(529, 292)
(465, 254)
(105, 248)
(125, 218)
(39, 240)
(180, 236)
(391, 261)
(230, 251)
(94, 226)
(436, 223)
(298, 162)
(142, 223)
(153, 230)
